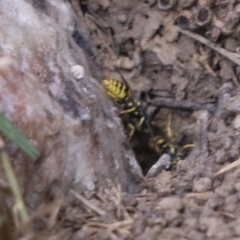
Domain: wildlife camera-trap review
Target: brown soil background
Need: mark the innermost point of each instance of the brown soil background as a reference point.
(171, 73)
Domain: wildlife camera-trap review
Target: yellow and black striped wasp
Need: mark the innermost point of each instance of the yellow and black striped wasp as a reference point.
(161, 146)
(123, 95)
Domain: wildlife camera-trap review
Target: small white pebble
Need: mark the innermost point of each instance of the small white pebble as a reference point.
(77, 71)
(236, 122)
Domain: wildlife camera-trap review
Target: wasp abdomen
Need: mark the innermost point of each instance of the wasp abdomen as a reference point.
(117, 90)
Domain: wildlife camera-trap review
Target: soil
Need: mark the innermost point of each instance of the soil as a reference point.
(180, 79)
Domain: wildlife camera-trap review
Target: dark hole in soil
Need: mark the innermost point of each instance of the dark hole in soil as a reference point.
(140, 142)
(202, 15)
(183, 22)
(111, 31)
(127, 46)
(165, 2)
(84, 6)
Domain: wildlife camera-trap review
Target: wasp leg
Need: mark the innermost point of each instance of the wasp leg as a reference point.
(157, 143)
(128, 110)
(188, 146)
(169, 128)
(141, 121)
(132, 130)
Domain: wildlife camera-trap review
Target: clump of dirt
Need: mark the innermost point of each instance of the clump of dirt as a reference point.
(181, 59)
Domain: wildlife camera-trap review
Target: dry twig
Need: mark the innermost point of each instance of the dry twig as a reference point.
(117, 199)
(88, 204)
(113, 226)
(228, 167)
(184, 105)
(20, 205)
(234, 57)
(202, 195)
(227, 214)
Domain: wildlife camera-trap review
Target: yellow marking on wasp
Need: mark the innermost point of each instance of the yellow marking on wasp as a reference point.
(161, 146)
(117, 90)
(189, 146)
(122, 94)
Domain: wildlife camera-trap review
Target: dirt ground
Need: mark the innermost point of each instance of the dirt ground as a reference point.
(181, 60)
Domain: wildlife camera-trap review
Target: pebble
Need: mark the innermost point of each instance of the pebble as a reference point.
(238, 195)
(227, 142)
(138, 227)
(150, 233)
(215, 228)
(237, 186)
(104, 3)
(224, 190)
(191, 223)
(196, 235)
(220, 156)
(171, 215)
(236, 122)
(202, 184)
(231, 44)
(125, 63)
(172, 233)
(231, 203)
(122, 18)
(215, 201)
(236, 227)
(174, 203)
(234, 151)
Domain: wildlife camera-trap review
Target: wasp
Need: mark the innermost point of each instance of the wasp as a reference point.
(161, 146)
(123, 95)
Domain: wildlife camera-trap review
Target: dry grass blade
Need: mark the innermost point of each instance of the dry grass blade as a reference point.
(51, 210)
(14, 185)
(121, 224)
(88, 204)
(227, 214)
(228, 167)
(121, 227)
(202, 195)
(117, 199)
(234, 57)
(112, 226)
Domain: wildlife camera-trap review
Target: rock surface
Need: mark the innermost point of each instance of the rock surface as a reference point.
(71, 121)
